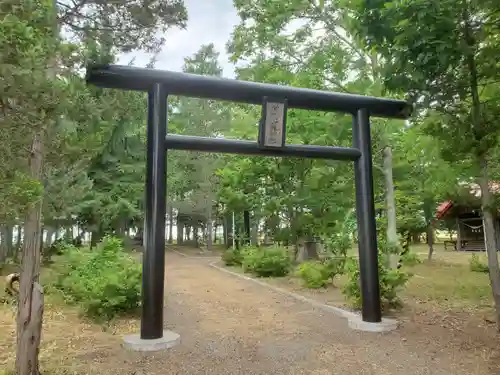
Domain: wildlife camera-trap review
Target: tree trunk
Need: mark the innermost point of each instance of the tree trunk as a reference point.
(254, 231)
(430, 241)
(246, 225)
(10, 239)
(428, 208)
(30, 307)
(19, 241)
(19, 235)
(459, 235)
(95, 237)
(6, 246)
(490, 238)
(216, 224)
(170, 225)
(42, 231)
(120, 228)
(237, 234)
(180, 233)
(225, 239)
(306, 250)
(68, 234)
(209, 227)
(140, 230)
(390, 202)
(195, 236)
(3, 245)
(228, 230)
(28, 341)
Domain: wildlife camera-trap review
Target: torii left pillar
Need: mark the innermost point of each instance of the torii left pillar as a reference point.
(152, 336)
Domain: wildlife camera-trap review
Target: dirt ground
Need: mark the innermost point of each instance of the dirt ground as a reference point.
(232, 326)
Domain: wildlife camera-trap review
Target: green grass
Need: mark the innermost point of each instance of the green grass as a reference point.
(440, 254)
(452, 285)
(446, 281)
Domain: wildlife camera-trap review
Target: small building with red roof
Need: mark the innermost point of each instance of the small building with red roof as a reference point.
(468, 217)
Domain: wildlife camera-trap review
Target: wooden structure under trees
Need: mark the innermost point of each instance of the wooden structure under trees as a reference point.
(466, 216)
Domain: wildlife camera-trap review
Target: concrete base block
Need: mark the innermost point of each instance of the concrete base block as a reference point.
(356, 322)
(169, 340)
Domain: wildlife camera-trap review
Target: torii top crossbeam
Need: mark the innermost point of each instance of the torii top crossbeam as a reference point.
(143, 79)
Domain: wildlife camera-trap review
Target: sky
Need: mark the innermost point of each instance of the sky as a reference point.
(209, 21)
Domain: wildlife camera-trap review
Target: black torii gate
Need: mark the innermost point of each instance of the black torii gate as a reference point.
(275, 100)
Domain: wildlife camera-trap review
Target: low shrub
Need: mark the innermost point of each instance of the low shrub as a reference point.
(477, 265)
(313, 274)
(316, 275)
(335, 265)
(268, 262)
(104, 281)
(232, 257)
(249, 257)
(410, 259)
(391, 282)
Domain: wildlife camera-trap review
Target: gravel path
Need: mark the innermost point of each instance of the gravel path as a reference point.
(231, 326)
